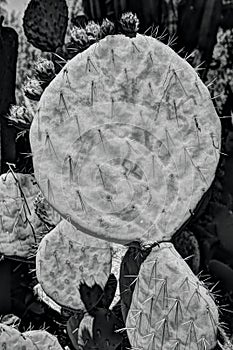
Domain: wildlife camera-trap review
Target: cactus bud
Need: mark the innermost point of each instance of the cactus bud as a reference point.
(93, 31)
(107, 28)
(80, 38)
(33, 89)
(20, 117)
(129, 24)
(45, 70)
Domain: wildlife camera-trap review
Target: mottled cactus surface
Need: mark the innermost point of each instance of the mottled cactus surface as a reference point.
(66, 258)
(171, 308)
(45, 23)
(20, 228)
(12, 339)
(124, 140)
(42, 340)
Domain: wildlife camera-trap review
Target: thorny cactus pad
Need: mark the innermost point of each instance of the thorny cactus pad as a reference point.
(171, 308)
(126, 140)
(43, 340)
(20, 228)
(66, 258)
(12, 339)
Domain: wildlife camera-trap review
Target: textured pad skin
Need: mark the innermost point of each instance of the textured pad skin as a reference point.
(170, 308)
(125, 140)
(65, 258)
(45, 23)
(11, 339)
(18, 221)
(43, 340)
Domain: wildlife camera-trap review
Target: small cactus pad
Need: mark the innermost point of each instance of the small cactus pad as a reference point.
(45, 23)
(43, 340)
(98, 332)
(171, 308)
(105, 326)
(126, 140)
(66, 258)
(11, 339)
(19, 225)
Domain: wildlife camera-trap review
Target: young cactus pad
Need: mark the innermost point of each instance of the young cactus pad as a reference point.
(126, 140)
(43, 340)
(66, 258)
(170, 308)
(19, 225)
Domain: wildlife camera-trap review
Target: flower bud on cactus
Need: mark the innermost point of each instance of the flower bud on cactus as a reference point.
(80, 38)
(20, 117)
(93, 31)
(33, 89)
(107, 28)
(45, 70)
(129, 24)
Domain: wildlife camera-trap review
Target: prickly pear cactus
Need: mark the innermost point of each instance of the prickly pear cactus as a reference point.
(45, 23)
(43, 340)
(170, 307)
(20, 228)
(124, 140)
(66, 258)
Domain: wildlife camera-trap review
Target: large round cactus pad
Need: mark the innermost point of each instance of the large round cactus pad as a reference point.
(126, 140)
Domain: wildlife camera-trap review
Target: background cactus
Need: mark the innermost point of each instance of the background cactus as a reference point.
(8, 57)
(45, 24)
